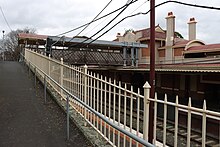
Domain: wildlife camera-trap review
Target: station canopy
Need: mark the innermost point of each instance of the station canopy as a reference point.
(75, 42)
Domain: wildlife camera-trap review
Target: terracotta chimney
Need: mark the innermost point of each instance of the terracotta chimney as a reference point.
(170, 36)
(192, 29)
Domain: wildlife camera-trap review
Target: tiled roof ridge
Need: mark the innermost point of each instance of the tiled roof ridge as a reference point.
(32, 35)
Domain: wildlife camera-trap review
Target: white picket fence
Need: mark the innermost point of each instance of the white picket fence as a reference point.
(117, 102)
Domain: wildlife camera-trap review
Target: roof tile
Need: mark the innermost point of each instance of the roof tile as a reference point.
(31, 36)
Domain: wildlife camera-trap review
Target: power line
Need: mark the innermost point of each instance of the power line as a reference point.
(95, 17)
(97, 25)
(74, 29)
(127, 4)
(108, 17)
(92, 20)
(5, 18)
(141, 13)
(139, 6)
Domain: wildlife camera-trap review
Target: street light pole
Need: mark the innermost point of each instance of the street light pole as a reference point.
(152, 68)
(3, 39)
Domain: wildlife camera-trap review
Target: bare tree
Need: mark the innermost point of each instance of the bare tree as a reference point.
(10, 43)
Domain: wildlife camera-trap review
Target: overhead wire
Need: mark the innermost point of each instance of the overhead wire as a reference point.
(5, 18)
(127, 4)
(95, 17)
(79, 27)
(139, 7)
(141, 13)
(92, 20)
(109, 16)
(98, 25)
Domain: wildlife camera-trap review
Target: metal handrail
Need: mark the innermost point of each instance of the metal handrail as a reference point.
(88, 75)
(138, 139)
(184, 107)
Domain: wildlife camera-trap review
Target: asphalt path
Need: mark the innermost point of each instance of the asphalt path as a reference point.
(25, 121)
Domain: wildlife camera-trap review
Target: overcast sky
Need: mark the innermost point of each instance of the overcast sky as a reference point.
(52, 17)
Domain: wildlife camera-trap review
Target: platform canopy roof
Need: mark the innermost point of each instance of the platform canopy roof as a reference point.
(78, 42)
(75, 42)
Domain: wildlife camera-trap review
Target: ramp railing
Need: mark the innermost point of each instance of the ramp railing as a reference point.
(102, 102)
(120, 113)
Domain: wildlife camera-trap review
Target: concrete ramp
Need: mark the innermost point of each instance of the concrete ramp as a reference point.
(24, 118)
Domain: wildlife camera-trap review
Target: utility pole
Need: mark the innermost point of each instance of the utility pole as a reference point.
(152, 68)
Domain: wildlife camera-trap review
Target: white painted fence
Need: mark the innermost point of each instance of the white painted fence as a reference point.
(117, 102)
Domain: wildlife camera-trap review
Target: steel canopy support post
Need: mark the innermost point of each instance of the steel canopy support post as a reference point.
(125, 55)
(152, 67)
(136, 60)
(132, 56)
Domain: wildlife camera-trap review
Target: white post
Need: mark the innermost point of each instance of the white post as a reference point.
(189, 123)
(114, 103)
(165, 121)
(119, 111)
(131, 113)
(138, 115)
(204, 124)
(125, 112)
(79, 88)
(101, 103)
(105, 104)
(146, 110)
(109, 107)
(155, 120)
(61, 77)
(89, 84)
(94, 97)
(97, 104)
(85, 90)
(176, 122)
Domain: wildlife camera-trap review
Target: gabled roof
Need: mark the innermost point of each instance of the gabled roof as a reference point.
(146, 34)
(159, 33)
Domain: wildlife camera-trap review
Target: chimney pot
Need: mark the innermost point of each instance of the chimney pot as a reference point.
(170, 13)
(192, 19)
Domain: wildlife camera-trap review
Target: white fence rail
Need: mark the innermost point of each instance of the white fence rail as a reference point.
(118, 103)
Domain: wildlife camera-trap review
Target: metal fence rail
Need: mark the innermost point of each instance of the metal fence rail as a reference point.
(114, 109)
(94, 97)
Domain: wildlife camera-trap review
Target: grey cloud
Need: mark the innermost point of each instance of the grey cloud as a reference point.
(55, 16)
